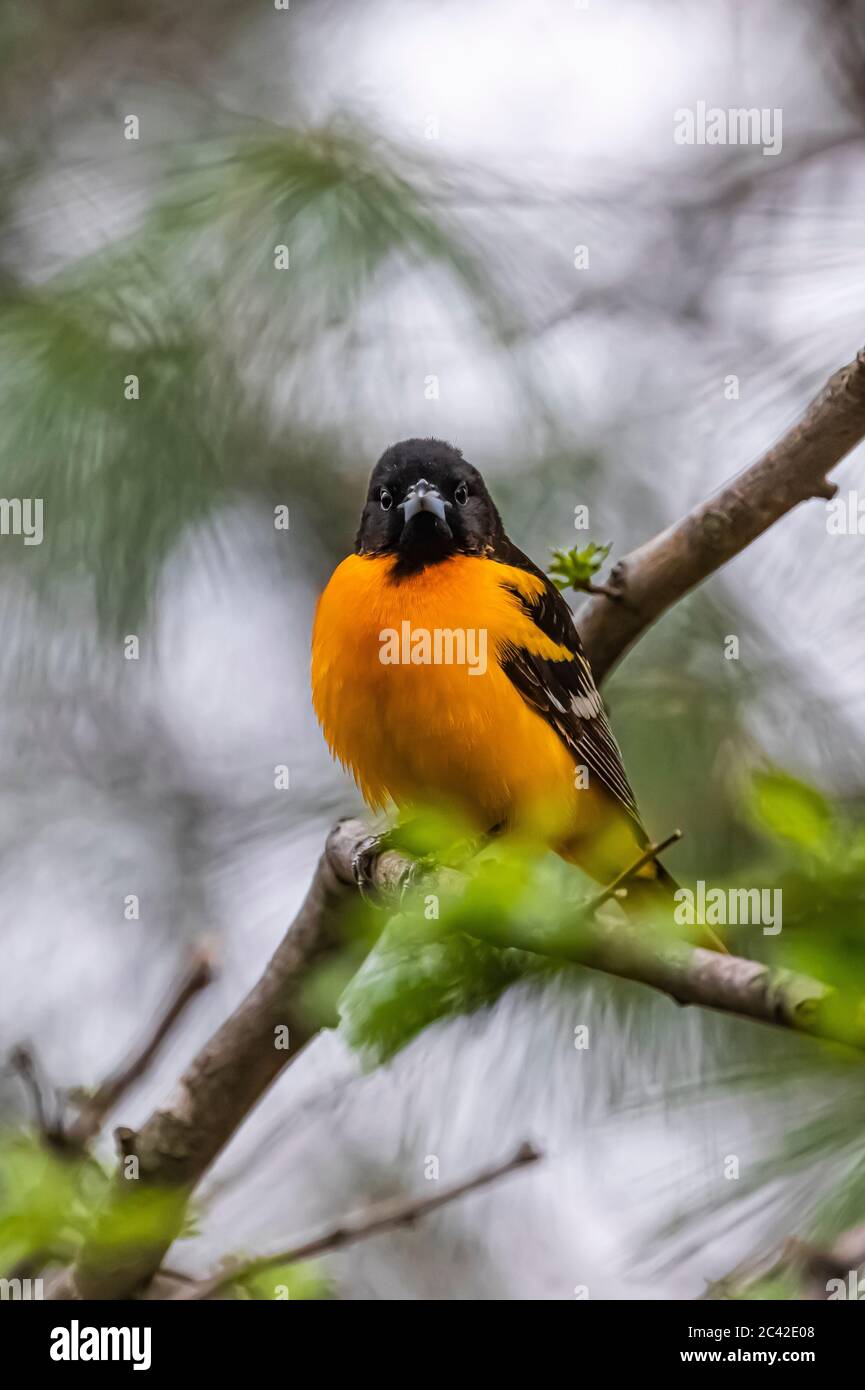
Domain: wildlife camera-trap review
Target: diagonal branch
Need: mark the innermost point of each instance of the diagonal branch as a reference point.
(688, 974)
(655, 576)
(382, 1216)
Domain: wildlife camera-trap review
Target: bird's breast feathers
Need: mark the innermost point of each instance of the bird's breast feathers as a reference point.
(410, 688)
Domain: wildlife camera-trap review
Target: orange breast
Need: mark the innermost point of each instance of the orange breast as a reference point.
(444, 731)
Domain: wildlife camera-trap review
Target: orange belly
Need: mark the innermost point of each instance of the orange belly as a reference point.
(442, 734)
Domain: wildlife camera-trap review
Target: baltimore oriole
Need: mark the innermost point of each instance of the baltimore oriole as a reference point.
(446, 669)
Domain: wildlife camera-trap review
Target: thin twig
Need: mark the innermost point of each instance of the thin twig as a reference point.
(22, 1061)
(383, 1216)
(649, 853)
(89, 1121)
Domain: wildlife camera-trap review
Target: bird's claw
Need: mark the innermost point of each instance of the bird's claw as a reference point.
(411, 875)
(362, 862)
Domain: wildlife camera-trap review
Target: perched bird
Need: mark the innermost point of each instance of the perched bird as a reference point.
(447, 670)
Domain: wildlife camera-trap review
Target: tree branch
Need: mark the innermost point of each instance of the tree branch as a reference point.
(689, 974)
(654, 577)
(382, 1216)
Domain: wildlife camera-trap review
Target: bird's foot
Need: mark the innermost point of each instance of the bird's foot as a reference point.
(413, 873)
(363, 865)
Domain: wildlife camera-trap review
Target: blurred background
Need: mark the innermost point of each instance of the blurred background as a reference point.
(242, 250)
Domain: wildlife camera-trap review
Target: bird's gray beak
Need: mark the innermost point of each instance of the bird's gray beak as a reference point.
(423, 497)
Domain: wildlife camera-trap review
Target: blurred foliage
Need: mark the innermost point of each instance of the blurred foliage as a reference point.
(278, 1283)
(46, 1202)
(683, 718)
(50, 1200)
(814, 854)
(421, 971)
(817, 861)
(777, 1285)
(138, 387)
(793, 811)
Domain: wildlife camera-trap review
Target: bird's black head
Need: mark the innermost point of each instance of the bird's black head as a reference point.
(424, 504)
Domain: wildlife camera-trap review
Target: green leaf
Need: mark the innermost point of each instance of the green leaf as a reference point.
(793, 810)
(420, 972)
(137, 387)
(575, 568)
(427, 968)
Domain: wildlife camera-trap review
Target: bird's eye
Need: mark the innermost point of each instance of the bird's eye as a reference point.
(385, 500)
(461, 496)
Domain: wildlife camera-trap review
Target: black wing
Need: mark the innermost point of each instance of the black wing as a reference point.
(564, 692)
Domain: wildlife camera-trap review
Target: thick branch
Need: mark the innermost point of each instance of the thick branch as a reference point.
(655, 576)
(383, 1216)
